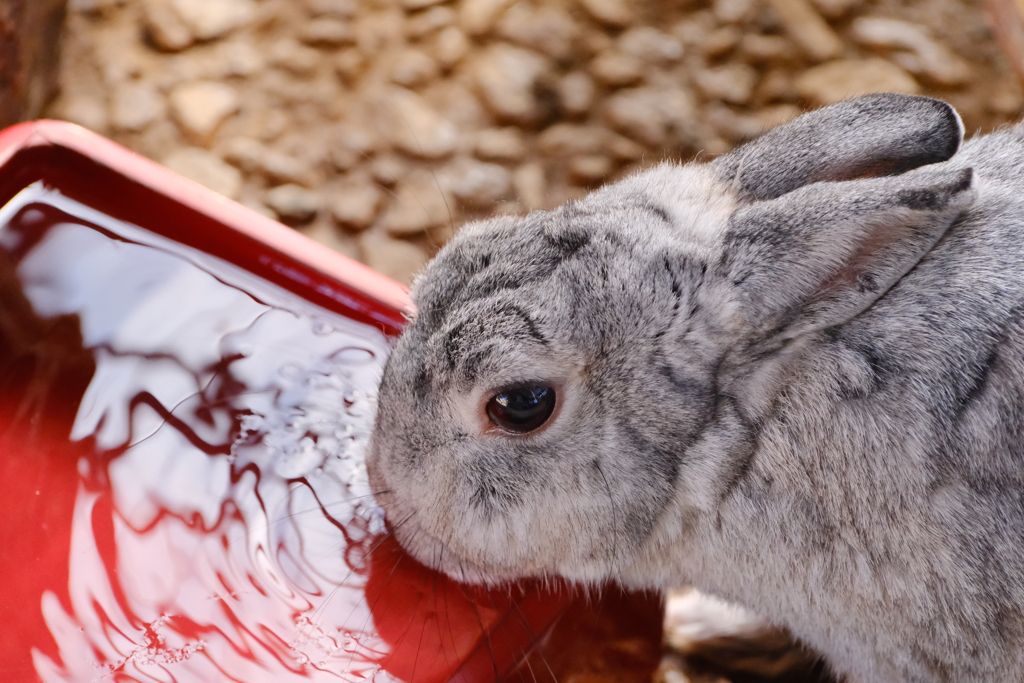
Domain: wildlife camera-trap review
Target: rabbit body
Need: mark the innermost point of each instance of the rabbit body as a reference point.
(792, 377)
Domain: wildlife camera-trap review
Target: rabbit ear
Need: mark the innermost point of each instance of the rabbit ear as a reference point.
(822, 254)
(871, 136)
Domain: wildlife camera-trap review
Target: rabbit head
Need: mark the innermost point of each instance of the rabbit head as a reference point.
(543, 409)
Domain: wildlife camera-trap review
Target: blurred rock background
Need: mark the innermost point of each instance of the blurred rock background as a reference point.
(377, 127)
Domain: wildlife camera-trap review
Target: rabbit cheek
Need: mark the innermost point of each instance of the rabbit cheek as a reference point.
(383, 493)
(379, 485)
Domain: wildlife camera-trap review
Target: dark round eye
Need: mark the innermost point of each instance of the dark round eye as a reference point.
(521, 409)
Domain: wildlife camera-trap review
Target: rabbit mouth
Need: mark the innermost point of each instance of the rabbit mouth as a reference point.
(440, 556)
(423, 546)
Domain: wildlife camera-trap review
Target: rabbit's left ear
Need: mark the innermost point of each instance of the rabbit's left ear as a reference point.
(820, 255)
(866, 137)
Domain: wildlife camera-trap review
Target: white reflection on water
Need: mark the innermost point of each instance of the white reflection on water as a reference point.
(229, 420)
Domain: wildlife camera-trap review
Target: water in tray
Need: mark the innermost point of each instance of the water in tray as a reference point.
(182, 457)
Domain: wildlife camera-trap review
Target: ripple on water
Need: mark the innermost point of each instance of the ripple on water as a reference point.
(221, 523)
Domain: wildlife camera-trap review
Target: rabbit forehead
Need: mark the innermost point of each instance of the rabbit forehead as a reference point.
(497, 339)
(684, 208)
(693, 203)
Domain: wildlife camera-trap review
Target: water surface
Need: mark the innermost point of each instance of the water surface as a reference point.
(181, 451)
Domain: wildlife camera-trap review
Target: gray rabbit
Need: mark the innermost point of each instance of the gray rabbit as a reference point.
(792, 377)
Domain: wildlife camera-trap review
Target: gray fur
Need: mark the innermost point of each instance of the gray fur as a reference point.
(793, 378)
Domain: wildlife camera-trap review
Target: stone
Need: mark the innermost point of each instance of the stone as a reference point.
(396, 259)
(421, 202)
(759, 48)
(387, 170)
(568, 139)
(638, 117)
(357, 138)
(414, 5)
(477, 17)
(506, 77)
(119, 62)
(776, 85)
(356, 206)
(413, 68)
(295, 57)
(615, 69)
(841, 79)
(593, 42)
(92, 7)
(165, 27)
(271, 123)
(450, 46)
(507, 207)
(808, 29)
(693, 29)
(928, 57)
(199, 108)
(86, 110)
(835, 9)
(590, 168)
(732, 83)
(777, 115)
(425, 23)
(412, 125)
(622, 148)
(733, 11)
(133, 106)
(245, 153)
(531, 185)
(380, 30)
(650, 45)
(500, 144)
(547, 28)
(253, 157)
(238, 58)
(613, 12)
(294, 205)
(327, 32)
(343, 159)
(733, 125)
(457, 102)
(30, 39)
(349, 64)
(1007, 100)
(206, 169)
(345, 9)
(286, 168)
(576, 91)
(650, 114)
(310, 145)
(477, 184)
(209, 19)
(720, 41)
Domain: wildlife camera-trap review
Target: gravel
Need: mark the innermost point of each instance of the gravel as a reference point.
(371, 123)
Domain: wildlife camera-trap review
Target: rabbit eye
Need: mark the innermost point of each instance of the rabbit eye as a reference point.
(521, 409)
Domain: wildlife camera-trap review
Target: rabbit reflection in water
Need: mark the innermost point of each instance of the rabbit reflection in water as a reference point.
(792, 377)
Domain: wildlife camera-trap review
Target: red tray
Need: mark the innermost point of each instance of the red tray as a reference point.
(184, 389)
